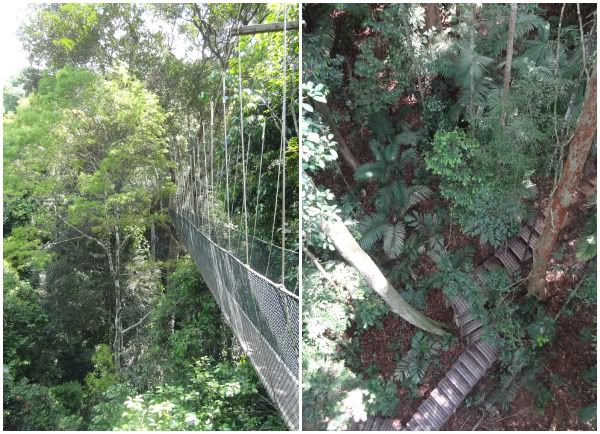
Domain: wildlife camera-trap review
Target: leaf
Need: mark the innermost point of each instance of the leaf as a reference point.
(372, 228)
(393, 240)
(369, 171)
(587, 414)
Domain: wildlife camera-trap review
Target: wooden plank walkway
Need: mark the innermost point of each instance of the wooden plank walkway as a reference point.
(478, 356)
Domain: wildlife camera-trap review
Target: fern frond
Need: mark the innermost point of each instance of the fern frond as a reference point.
(526, 23)
(372, 228)
(393, 240)
(417, 194)
(390, 152)
(407, 138)
(414, 219)
(585, 248)
(370, 171)
(508, 395)
(409, 156)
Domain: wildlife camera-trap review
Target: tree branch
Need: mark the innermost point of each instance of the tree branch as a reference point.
(347, 246)
(137, 323)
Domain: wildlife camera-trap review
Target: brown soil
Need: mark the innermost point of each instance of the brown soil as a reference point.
(382, 347)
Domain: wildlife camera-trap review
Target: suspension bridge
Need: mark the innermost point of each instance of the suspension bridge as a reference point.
(253, 280)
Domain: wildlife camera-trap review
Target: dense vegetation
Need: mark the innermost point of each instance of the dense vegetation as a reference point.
(107, 322)
(434, 133)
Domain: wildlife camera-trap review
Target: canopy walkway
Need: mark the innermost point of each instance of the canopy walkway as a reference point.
(478, 356)
(254, 281)
(264, 316)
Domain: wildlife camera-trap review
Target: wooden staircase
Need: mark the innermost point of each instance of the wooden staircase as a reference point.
(478, 356)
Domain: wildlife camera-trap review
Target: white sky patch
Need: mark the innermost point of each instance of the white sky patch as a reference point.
(14, 57)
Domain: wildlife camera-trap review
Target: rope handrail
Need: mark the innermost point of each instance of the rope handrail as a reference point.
(279, 286)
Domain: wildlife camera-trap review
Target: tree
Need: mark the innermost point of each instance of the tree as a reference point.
(95, 128)
(508, 64)
(566, 190)
(359, 259)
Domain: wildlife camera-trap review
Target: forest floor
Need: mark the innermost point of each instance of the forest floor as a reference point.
(565, 358)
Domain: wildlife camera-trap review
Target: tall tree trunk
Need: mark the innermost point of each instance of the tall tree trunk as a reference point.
(508, 64)
(417, 63)
(153, 241)
(432, 16)
(345, 151)
(566, 190)
(472, 70)
(115, 272)
(350, 250)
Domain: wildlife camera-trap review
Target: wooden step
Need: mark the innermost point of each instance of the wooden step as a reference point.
(508, 260)
(443, 404)
(463, 318)
(458, 381)
(447, 396)
(488, 350)
(472, 365)
(519, 248)
(475, 336)
(464, 372)
(478, 273)
(459, 305)
(538, 226)
(479, 357)
(430, 411)
(476, 365)
(529, 236)
(420, 421)
(451, 392)
(470, 327)
(492, 263)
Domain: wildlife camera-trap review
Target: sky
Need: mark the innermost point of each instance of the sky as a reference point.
(13, 56)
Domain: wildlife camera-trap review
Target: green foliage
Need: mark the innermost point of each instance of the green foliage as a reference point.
(586, 245)
(542, 398)
(70, 395)
(392, 200)
(369, 312)
(542, 330)
(216, 396)
(382, 397)
(317, 206)
(27, 343)
(413, 365)
(475, 191)
(34, 407)
(103, 376)
(377, 65)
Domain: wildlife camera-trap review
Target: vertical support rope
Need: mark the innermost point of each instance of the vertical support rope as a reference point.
(242, 144)
(262, 147)
(284, 143)
(226, 163)
(212, 179)
(206, 176)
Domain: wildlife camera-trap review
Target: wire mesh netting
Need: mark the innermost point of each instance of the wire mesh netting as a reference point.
(263, 314)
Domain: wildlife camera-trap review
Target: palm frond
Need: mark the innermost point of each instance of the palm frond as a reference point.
(393, 240)
(370, 171)
(372, 228)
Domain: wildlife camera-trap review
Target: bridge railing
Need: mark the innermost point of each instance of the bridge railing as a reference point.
(263, 314)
